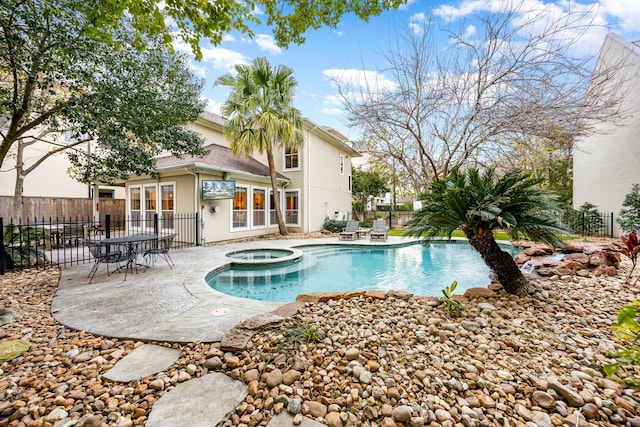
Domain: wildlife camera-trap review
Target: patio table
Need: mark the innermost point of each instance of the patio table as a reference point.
(130, 243)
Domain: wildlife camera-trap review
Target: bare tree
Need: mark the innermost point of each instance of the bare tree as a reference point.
(512, 79)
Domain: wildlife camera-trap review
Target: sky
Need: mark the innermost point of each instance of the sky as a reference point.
(353, 50)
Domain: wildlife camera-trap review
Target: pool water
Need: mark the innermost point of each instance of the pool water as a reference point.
(419, 269)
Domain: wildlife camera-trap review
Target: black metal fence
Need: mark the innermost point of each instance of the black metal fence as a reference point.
(59, 242)
(588, 223)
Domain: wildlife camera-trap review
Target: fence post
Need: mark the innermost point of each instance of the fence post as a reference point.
(107, 226)
(2, 254)
(155, 223)
(611, 225)
(197, 224)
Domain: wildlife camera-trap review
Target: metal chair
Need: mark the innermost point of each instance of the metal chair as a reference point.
(101, 256)
(162, 248)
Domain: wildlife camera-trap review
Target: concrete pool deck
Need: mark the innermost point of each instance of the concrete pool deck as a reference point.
(172, 305)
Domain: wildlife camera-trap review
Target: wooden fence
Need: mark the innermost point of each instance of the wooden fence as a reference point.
(60, 207)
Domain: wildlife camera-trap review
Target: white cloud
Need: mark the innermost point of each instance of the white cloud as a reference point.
(469, 31)
(218, 58)
(406, 5)
(359, 79)
(267, 42)
(212, 105)
(465, 8)
(625, 13)
(417, 22)
(332, 111)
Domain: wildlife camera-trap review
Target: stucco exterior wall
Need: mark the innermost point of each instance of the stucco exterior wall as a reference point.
(605, 164)
(50, 179)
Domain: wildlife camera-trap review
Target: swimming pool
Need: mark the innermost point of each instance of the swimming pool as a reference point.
(416, 268)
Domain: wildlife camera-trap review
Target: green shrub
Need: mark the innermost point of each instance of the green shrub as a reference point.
(629, 215)
(627, 329)
(448, 299)
(334, 226)
(304, 333)
(407, 206)
(23, 246)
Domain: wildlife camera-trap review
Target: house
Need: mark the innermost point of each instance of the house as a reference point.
(233, 194)
(49, 191)
(604, 164)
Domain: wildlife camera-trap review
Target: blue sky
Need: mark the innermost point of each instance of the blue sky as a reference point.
(353, 49)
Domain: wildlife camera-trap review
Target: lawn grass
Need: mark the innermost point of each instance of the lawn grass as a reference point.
(458, 233)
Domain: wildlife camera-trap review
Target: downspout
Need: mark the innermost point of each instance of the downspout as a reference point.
(307, 187)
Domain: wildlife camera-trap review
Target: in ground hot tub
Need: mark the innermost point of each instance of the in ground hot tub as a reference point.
(264, 256)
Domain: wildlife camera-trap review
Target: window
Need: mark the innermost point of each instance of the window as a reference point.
(259, 208)
(150, 204)
(272, 208)
(167, 206)
(147, 201)
(135, 206)
(341, 164)
(105, 194)
(291, 159)
(291, 216)
(350, 184)
(239, 214)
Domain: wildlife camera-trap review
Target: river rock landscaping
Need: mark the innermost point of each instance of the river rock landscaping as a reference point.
(382, 359)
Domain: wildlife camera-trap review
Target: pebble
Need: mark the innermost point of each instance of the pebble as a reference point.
(533, 361)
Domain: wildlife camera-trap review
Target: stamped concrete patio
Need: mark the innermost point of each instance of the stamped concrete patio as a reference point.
(162, 304)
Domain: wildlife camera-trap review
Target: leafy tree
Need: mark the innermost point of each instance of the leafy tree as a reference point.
(478, 203)
(513, 77)
(365, 185)
(260, 116)
(197, 19)
(62, 87)
(629, 215)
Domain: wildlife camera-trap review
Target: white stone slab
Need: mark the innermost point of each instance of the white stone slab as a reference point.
(200, 402)
(145, 360)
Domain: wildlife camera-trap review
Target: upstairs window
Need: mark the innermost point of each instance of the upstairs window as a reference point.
(291, 158)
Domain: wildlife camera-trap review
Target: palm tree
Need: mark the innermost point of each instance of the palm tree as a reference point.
(479, 203)
(260, 116)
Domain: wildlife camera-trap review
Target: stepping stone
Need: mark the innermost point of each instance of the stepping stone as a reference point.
(145, 360)
(200, 402)
(285, 419)
(10, 349)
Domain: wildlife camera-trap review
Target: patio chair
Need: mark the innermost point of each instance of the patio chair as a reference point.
(350, 231)
(162, 248)
(100, 255)
(72, 233)
(379, 230)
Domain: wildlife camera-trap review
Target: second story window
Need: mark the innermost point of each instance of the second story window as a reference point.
(291, 158)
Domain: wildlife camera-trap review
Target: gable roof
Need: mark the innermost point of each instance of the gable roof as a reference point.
(220, 159)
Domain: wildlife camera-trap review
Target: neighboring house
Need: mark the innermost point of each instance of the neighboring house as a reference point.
(605, 164)
(49, 180)
(314, 184)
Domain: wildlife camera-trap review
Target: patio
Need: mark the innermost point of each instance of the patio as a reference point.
(163, 304)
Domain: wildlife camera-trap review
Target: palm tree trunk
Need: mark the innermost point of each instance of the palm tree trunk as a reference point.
(500, 262)
(274, 188)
